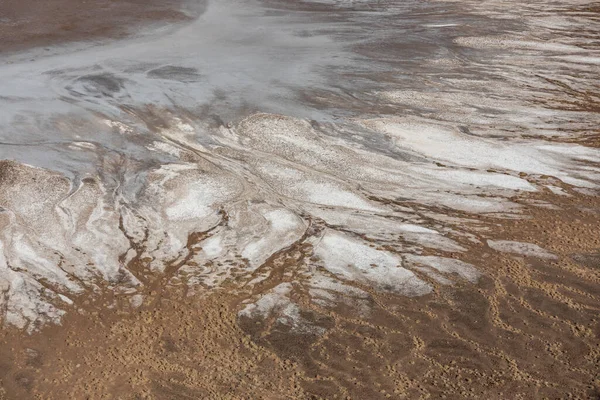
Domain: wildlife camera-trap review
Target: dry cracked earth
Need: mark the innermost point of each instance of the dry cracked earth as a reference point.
(287, 199)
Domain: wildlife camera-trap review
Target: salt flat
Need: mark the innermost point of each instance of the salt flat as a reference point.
(316, 166)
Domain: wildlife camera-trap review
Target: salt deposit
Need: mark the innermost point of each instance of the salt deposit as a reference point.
(261, 143)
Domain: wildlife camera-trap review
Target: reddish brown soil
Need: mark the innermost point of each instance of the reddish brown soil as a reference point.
(31, 23)
(528, 330)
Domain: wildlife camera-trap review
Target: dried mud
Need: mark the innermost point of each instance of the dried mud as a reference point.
(529, 329)
(299, 200)
(30, 24)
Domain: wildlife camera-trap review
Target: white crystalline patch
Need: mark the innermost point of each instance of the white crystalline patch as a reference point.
(412, 228)
(295, 140)
(325, 283)
(171, 170)
(499, 42)
(439, 25)
(433, 241)
(82, 145)
(37, 265)
(179, 199)
(428, 238)
(581, 153)
(330, 195)
(521, 248)
(136, 300)
(165, 148)
(24, 306)
(449, 146)
(328, 292)
(557, 190)
(179, 130)
(379, 227)
(472, 203)
(354, 260)
(276, 302)
(196, 203)
(284, 228)
(119, 126)
(580, 59)
(446, 266)
(310, 187)
(484, 179)
(65, 299)
(275, 299)
(63, 237)
(439, 278)
(212, 246)
(185, 127)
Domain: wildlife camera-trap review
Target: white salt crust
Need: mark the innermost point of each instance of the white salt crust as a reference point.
(97, 185)
(521, 248)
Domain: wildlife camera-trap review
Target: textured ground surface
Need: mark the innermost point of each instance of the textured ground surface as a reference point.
(287, 199)
(28, 24)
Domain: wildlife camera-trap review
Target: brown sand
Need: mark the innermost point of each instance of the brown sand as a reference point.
(178, 349)
(30, 23)
(528, 329)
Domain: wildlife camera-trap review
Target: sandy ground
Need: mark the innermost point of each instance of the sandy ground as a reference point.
(529, 329)
(28, 24)
(298, 200)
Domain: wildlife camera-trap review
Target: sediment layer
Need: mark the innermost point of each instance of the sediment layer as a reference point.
(305, 200)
